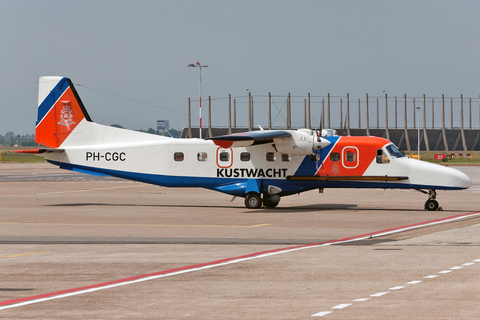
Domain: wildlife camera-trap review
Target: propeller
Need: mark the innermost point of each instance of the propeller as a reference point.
(344, 125)
(318, 155)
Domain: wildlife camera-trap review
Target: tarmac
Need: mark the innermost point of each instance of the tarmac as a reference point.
(74, 246)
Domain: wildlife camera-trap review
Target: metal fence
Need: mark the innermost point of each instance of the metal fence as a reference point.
(445, 123)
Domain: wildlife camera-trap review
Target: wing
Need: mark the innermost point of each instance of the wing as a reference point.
(249, 138)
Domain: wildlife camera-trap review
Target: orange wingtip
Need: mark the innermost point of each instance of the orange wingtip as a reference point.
(223, 143)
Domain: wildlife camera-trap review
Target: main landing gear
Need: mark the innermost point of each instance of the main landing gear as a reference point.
(431, 204)
(253, 200)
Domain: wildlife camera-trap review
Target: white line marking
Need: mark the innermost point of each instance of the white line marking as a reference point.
(362, 299)
(232, 261)
(425, 225)
(477, 260)
(379, 294)
(321, 313)
(397, 288)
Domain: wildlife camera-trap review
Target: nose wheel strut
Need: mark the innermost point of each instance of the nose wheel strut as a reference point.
(431, 204)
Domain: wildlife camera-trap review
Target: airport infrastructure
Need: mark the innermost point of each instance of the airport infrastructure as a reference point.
(436, 123)
(76, 246)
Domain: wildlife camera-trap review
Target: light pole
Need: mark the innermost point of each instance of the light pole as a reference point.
(418, 130)
(197, 64)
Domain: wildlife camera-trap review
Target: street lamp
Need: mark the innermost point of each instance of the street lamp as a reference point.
(195, 65)
(418, 130)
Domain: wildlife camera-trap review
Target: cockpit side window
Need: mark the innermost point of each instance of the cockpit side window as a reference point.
(382, 157)
(394, 151)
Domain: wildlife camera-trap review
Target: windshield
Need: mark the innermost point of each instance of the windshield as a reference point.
(394, 151)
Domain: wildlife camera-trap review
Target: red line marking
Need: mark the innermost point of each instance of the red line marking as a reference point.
(51, 294)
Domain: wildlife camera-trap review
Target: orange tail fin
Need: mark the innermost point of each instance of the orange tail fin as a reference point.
(60, 110)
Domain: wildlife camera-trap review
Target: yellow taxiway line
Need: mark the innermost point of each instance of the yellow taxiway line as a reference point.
(23, 254)
(85, 190)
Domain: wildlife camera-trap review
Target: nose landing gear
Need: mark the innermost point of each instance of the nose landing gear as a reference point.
(431, 204)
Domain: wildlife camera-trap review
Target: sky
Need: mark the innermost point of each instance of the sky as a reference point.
(128, 59)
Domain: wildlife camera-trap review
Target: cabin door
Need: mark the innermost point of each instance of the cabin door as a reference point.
(224, 157)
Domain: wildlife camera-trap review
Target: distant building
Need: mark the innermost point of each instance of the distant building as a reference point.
(163, 125)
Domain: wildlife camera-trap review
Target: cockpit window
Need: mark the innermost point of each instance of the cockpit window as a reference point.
(394, 151)
(382, 158)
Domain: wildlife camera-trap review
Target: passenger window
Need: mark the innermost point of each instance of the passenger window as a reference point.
(178, 156)
(202, 156)
(334, 156)
(285, 157)
(382, 157)
(224, 156)
(270, 156)
(245, 156)
(350, 157)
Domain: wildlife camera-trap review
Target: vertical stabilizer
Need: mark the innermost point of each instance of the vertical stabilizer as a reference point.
(60, 110)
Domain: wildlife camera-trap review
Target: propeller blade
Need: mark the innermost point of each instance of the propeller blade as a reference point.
(321, 124)
(318, 158)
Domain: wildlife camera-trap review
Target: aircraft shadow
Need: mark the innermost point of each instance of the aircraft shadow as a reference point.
(354, 207)
(301, 208)
(134, 205)
(315, 207)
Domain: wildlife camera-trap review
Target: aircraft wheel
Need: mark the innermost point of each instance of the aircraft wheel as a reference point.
(253, 200)
(431, 205)
(271, 201)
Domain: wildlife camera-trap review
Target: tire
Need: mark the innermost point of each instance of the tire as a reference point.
(431, 205)
(253, 200)
(271, 201)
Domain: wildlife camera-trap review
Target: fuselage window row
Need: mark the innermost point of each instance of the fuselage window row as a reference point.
(225, 156)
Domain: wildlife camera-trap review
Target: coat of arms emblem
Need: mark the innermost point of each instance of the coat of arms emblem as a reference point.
(66, 114)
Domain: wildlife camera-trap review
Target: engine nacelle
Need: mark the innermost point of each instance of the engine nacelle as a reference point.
(301, 142)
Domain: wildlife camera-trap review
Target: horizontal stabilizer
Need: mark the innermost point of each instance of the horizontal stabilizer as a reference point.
(245, 139)
(38, 151)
